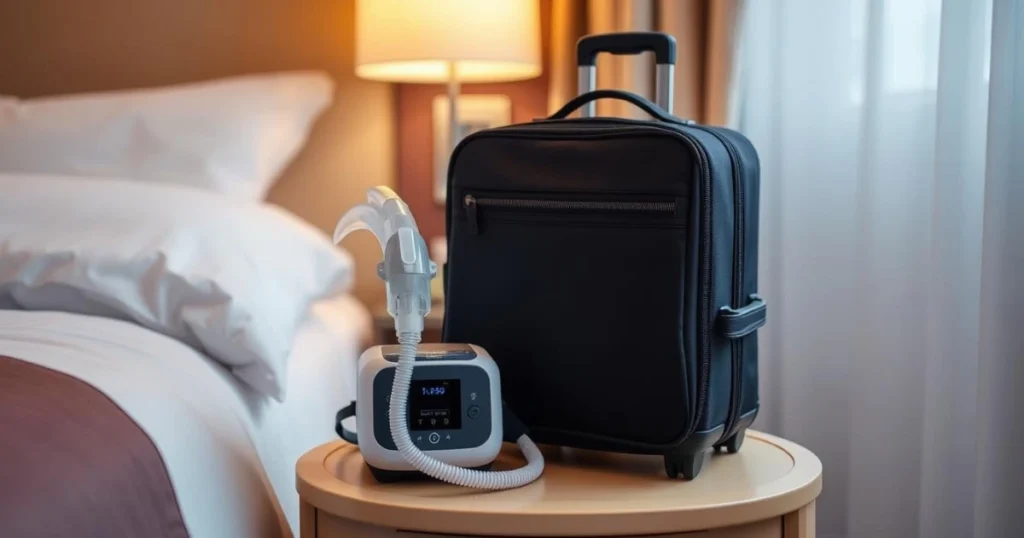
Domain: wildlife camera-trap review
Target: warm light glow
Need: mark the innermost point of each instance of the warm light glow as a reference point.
(416, 40)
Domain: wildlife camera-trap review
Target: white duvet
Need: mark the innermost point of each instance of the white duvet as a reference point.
(232, 278)
(230, 451)
(222, 326)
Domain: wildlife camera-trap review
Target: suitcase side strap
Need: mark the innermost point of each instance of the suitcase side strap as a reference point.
(739, 322)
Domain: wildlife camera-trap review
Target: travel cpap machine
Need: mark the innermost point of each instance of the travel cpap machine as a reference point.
(434, 409)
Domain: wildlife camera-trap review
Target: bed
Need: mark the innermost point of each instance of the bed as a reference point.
(176, 327)
(170, 343)
(166, 354)
(228, 453)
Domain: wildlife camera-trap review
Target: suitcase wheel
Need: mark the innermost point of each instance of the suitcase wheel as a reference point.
(671, 469)
(732, 445)
(688, 465)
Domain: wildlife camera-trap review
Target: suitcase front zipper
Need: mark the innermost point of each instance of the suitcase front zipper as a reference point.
(470, 203)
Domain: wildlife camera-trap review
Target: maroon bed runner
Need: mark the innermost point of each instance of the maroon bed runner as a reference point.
(73, 464)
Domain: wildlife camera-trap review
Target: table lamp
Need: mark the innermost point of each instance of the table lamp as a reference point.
(448, 41)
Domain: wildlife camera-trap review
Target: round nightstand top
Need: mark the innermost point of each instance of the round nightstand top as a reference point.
(581, 493)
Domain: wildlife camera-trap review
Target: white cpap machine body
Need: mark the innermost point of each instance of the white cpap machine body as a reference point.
(468, 428)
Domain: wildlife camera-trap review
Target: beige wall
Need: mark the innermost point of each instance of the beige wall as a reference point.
(62, 46)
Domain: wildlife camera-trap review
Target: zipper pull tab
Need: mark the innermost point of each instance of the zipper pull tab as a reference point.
(469, 202)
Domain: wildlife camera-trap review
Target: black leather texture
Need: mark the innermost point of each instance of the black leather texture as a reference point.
(593, 259)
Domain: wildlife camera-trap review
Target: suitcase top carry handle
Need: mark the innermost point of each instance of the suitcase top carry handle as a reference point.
(663, 46)
(588, 99)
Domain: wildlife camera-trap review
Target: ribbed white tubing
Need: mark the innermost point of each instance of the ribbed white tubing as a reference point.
(435, 468)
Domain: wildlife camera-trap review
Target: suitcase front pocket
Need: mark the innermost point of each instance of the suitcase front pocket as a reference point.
(568, 295)
(621, 211)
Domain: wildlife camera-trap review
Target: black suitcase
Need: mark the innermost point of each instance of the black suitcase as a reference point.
(610, 268)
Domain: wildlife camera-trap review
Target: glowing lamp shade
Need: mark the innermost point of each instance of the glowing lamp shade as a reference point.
(420, 41)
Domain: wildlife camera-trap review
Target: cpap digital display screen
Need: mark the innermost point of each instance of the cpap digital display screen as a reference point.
(435, 404)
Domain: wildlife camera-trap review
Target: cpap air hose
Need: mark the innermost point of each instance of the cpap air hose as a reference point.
(407, 271)
(436, 468)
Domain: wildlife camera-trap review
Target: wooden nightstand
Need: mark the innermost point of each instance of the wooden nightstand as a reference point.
(767, 490)
(384, 325)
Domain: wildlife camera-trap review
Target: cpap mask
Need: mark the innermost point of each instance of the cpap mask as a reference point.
(451, 392)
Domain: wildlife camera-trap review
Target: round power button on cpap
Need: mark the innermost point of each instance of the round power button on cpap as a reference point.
(434, 438)
(473, 411)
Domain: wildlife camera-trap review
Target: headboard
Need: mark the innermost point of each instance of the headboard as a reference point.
(52, 47)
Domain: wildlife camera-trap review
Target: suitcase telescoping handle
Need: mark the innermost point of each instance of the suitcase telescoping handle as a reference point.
(663, 46)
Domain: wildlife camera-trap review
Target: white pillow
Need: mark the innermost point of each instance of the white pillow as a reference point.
(232, 278)
(232, 135)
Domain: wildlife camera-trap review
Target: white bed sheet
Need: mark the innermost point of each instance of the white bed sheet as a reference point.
(229, 451)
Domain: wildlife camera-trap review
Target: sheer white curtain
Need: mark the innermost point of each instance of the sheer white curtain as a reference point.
(891, 135)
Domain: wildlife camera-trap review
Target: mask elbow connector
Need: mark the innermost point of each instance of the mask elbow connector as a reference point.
(408, 311)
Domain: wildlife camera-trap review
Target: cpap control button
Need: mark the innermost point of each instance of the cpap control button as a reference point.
(473, 411)
(434, 438)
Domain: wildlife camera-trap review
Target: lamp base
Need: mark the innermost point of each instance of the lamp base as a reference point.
(454, 126)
